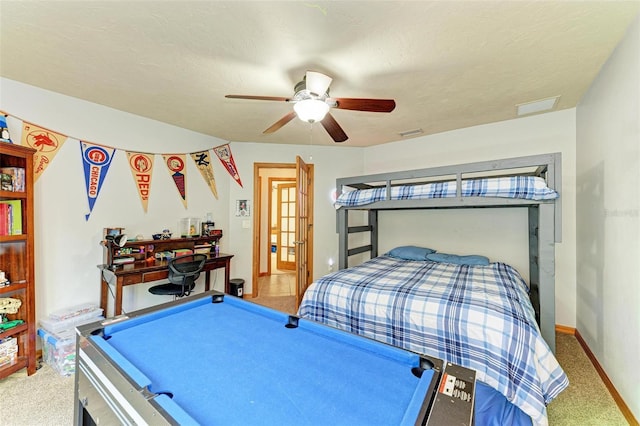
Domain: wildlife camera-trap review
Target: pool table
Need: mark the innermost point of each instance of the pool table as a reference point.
(217, 359)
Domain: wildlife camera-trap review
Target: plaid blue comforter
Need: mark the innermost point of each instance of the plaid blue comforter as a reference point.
(479, 317)
(523, 187)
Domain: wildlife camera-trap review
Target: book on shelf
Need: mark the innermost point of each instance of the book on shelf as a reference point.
(12, 178)
(181, 252)
(123, 260)
(6, 182)
(4, 219)
(10, 217)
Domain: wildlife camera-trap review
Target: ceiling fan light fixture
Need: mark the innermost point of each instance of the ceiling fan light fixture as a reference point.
(311, 110)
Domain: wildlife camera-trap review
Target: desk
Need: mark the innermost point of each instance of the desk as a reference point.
(218, 359)
(141, 272)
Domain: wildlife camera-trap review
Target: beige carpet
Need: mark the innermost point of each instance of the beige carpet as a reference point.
(46, 398)
(43, 399)
(587, 401)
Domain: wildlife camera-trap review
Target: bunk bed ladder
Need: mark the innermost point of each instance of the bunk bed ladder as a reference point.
(344, 230)
(542, 269)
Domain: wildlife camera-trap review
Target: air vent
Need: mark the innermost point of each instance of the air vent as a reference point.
(542, 105)
(413, 132)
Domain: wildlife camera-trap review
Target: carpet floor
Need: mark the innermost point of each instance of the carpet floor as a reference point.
(46, 398)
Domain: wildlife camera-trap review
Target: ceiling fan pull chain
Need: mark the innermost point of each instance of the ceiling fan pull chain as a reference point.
(311, 141)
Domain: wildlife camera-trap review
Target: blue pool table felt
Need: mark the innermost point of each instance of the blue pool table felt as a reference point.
(237, 363)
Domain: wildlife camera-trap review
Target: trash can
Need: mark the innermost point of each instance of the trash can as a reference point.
(236, 287)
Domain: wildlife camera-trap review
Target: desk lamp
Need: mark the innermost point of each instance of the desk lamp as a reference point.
(114, 240)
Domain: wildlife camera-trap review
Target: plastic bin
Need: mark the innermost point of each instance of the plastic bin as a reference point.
(73, 311)
(236, 287)
(53, 325)
(59, 351)
(59, 336)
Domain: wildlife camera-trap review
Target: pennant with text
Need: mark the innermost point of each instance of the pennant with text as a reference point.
(203, 163)
(141, 165)
(176, 166)
(46, 142)
(96, 160)
(226, 157)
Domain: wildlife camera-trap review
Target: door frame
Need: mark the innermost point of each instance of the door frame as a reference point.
(257, 227)
(281, 264)
(272, 181)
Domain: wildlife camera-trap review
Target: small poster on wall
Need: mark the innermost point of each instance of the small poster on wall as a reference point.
(242, 208)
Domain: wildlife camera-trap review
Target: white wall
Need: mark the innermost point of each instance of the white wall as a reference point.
(608, 221)
(500, 234)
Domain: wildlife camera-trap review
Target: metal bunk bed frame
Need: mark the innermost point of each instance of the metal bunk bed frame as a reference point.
(544, 217)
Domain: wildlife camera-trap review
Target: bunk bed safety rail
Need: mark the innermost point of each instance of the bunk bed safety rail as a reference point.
(520, 181)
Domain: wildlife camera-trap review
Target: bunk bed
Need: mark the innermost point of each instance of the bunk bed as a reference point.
(465, 310)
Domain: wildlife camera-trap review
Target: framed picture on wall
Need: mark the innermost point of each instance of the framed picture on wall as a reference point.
(242, 208)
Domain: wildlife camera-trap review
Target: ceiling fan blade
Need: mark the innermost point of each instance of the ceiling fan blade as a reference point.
(370, 105)
(278, 124)
(259, 98)
(317, 83)
(333, 128)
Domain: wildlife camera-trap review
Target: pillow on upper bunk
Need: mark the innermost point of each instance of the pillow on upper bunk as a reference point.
(473, 259)
(410, 252)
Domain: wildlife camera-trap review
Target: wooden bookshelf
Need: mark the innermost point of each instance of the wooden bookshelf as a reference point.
(17, 262)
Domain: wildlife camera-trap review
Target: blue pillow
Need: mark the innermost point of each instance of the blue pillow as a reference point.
(410, 252)
(473, 259)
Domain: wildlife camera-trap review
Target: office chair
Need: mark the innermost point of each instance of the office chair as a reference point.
(183, 272)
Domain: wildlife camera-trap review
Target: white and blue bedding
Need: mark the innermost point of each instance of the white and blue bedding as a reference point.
(520, 187)
(479, 317)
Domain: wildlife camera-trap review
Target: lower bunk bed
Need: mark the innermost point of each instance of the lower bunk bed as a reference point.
(463, 310)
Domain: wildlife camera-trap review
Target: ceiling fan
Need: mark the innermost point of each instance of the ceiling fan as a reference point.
(312, 103)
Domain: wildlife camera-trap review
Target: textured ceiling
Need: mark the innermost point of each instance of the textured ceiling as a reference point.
(447, 64)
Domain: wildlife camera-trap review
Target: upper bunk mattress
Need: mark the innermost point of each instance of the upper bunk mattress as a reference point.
(520, 187)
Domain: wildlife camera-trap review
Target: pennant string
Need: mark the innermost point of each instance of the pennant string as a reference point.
(83, 139)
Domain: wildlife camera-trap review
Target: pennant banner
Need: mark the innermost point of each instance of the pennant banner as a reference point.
(46, 142)
(226, 157)
(177, 169)
(203, 162)
(96, 160)
(141, 165)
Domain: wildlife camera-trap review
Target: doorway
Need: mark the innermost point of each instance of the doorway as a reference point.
(280, 252)
(284, 226)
